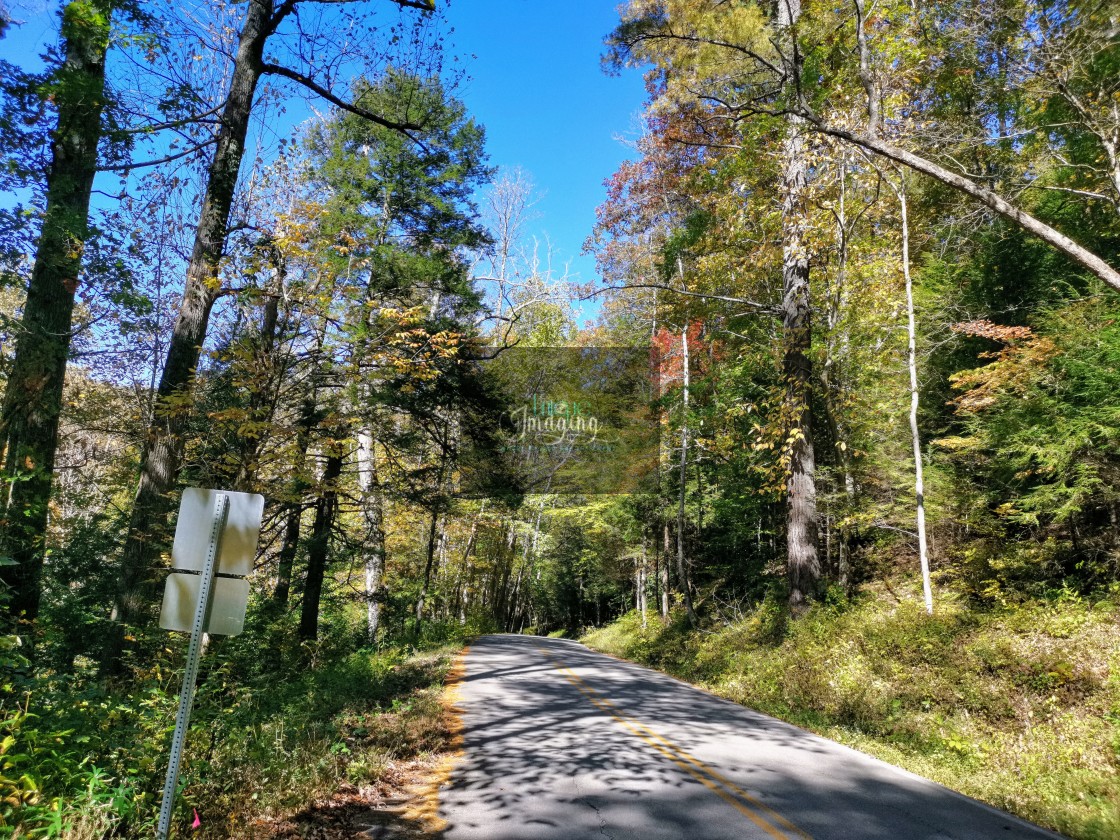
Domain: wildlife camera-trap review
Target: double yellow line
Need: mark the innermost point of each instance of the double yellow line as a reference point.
(766, 818)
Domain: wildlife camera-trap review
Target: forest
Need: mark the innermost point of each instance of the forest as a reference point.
(866, 255)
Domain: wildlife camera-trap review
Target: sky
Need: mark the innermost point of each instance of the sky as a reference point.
(535, 82)
(537, 86)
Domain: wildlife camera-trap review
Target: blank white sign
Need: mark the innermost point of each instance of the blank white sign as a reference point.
(180, 600)
(239, 540)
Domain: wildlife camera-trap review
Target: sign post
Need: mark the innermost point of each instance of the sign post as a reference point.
(225, 527)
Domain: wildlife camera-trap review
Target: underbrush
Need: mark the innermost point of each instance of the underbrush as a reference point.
(1017, 705)
(276, 726)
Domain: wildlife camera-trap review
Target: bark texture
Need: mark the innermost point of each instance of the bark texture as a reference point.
(318, 548)
(802, 562)
(373, 511)
(33, 397)
(163, 449)
(915, 435)
(682, 567)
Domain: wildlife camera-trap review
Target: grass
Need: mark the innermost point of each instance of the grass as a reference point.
(312, 747)
(1017, 705)
(347, 737)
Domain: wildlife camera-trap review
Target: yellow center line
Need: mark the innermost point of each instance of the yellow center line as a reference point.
(708, 776)
(719, 777)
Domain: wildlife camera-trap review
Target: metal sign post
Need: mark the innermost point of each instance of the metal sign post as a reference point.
(194, 654)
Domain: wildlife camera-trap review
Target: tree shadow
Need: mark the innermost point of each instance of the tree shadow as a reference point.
(560, 742)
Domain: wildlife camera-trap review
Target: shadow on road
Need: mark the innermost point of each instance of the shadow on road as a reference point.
(545, 761)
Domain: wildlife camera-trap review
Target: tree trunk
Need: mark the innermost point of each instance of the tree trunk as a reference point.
(642, 576)
(682, 574)
(465, 597)
(802, 562)
(915, 437)
(665, 588)
(433, 530)
(33, 398)
(309, 414)
(318, 548)
(373, 510)
(638, 589)
(462, 579)
(803, 565)
(160, 463)
(286, 561)
(514, 600)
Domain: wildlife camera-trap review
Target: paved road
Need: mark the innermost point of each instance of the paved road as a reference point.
(562, 743)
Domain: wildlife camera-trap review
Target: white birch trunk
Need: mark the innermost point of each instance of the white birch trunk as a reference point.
(374, 513)
(915, 437)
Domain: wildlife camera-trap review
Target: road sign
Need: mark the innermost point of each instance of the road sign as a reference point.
(236, 552)
(239, 538)
(227, 612)
(216, 534)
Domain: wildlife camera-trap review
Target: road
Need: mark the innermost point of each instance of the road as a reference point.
(561, 742)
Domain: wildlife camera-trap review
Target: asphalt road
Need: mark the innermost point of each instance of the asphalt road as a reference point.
(564, 743)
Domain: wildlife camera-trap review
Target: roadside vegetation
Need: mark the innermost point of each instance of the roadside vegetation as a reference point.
(284, 738)
(861, 270)
(1015, 703)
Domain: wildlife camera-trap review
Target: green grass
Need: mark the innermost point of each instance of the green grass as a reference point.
(273, 733)
(1018, 706)
(344, 724)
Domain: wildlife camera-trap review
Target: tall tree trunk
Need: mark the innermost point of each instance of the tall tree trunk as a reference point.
(373, 510)
(664, 571)
(462, 578)
(308, 416)
(33, 398)
(642, 585)
(915, 436)
(802, 562)
(514, 600)
(433, 533)
(664, 588)
(160, 463)
(465, 596)
(286, 560)
(318, 548)
(682, 573)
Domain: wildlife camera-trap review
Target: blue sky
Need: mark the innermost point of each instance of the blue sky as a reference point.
(547, 106)
(534, 81)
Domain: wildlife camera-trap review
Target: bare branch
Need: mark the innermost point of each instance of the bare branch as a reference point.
(1071, 191)
(191, 120)
(1078, 253)
(309, 83)
(125, 167)
(760, 308)
(693, 39)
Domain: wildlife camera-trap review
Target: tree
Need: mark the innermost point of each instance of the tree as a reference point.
(29, 418)
(162, 455)
(406, 212)
(669, 37)
(802, 564)
(754, 70)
